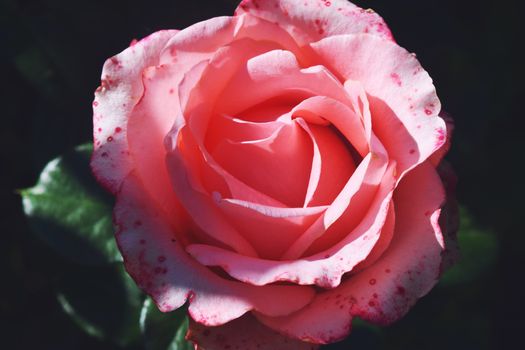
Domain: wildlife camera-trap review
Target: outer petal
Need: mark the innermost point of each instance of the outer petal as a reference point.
(148, 124)
(437, 157)
(199, 41)
(148, 240)
(403, 102)
(120, 89)
(245, 333)
(383, 292)
(310, 20)
(202, 39)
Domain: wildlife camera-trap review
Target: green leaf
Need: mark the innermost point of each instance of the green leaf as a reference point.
(479, 252)
(69, 210)
(164, 331)
(103, 301)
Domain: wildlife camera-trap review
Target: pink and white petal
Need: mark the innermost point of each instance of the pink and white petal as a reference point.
(121, 88)
(311, 20)
(199, 41)
(148, 239)
(323, 269)
(403, 101)
(385, 291)
(244, 333)
(149, 122)
(437, 157)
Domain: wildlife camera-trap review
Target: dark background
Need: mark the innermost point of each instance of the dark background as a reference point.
(51, 57)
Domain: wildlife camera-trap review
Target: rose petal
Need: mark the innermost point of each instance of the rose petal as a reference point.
(244, 333)
(403, 102)
(154, 258)
(199, 41)
(120, 90)
(310, 20)
(149, 121)
(437, 157)
(382, 243)
(385, 291)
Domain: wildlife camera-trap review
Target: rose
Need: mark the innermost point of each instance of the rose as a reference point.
(278, 164)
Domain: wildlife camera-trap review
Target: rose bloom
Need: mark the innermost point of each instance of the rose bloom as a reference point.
(278, 171)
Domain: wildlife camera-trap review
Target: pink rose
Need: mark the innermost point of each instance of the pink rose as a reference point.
(276, 170)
